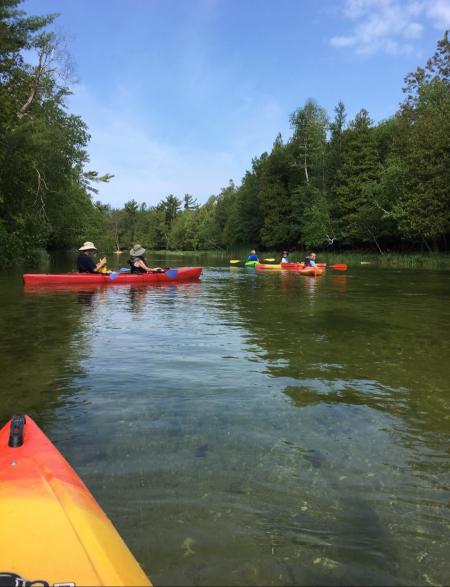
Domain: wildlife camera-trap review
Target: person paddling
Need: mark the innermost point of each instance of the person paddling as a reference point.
(285, 257)
(253, 256)
(310, 260)
(85, 262)
(139, 263)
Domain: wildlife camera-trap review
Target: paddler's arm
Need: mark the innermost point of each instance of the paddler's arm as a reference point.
(100, 264)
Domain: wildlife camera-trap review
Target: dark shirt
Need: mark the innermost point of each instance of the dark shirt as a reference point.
(134, 269)
(86, 264)
(309, 262)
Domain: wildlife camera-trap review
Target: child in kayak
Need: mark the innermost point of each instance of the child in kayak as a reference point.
(285, 257)
(253, 256)
(310, 260)
(138, 262)
(85, 262)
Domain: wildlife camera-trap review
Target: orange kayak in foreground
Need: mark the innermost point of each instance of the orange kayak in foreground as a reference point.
(52, 529)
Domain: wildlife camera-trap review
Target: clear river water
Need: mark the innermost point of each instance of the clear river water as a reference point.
(254, 428)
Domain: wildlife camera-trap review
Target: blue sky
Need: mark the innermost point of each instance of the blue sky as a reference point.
(180, 95)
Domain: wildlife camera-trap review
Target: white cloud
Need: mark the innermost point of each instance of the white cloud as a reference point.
(343, 41)
(438, 11)
(148, 168)
(390, 26)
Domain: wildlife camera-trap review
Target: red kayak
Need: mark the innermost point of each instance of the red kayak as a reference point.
(170, 276)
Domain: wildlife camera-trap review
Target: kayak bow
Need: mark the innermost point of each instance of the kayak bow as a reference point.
(53, 530)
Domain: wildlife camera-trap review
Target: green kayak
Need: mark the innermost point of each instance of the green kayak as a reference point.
(250, 263)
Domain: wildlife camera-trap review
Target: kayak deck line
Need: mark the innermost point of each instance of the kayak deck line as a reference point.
(57, 532)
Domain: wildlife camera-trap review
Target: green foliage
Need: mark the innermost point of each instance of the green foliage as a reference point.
(423, 206)
(329, 185)
(44, 187)
(309, 140)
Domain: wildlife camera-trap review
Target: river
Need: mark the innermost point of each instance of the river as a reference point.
(253, 428)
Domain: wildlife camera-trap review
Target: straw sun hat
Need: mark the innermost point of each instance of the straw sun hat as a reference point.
(137, 251)
(88, 246)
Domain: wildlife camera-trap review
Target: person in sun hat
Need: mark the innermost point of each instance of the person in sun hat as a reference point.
(85, 262)
(138, 262)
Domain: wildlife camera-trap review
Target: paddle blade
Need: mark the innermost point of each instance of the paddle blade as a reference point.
(339, 267)
(171, 273)
(124, 270)
(113, 275)
(235, 261)
(269, 260)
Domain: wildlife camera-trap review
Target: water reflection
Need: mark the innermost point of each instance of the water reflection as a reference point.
(339, 283)
(86, 297)
(251, 428)
(382, 402)
(137, 298)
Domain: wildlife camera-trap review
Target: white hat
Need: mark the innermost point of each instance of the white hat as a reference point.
(88, 246)
(137, 251)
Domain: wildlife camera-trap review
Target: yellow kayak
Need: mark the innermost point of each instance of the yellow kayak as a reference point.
(268, 266)
(52, 529)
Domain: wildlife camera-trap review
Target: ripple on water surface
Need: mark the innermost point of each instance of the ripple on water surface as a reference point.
(252, 428)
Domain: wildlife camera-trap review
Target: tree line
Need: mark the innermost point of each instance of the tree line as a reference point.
(45, 185)
(332, 183)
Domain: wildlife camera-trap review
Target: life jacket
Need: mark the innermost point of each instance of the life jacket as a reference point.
(134, 269)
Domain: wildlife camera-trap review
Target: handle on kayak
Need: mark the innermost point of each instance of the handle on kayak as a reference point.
(16, 431)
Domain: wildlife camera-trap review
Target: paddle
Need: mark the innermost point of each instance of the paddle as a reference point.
(269, 260)
(235, 261)
(339, 267)
(171, 273)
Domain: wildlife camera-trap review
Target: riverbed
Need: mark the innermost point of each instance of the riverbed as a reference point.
(254, 428)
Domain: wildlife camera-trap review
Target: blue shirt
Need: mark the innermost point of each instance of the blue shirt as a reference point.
(252, 258)
(309, 262)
